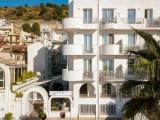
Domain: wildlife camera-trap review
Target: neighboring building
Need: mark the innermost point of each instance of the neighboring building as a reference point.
(97, 64)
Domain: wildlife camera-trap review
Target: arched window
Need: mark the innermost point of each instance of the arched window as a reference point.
(108, 90)
(2, 80)
(87, 90)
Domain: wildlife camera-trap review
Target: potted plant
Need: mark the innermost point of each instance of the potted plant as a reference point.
(62, 114)
(42, 116)
(8, 116)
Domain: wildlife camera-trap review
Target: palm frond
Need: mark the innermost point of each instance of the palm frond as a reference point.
(151, 43)
(127, 87)
(139, 106)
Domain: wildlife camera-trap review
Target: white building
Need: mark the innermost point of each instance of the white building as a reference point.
(99, 32)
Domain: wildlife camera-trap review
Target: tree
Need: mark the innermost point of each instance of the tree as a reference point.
(36, 29)
(8, 116)
(26, 27)
(19, 13)
(42, 116)
(147, 69)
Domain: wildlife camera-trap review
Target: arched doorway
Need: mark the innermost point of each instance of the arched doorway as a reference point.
(87, 90)
(108, 90)
(34, 101)
(35, 104)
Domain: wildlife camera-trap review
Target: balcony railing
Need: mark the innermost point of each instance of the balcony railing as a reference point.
(108, 20)
(89, 20)
(88, 75)
(89, 95)
(111, 75)
(105, 95)
(12, 62)
(77, 75)
(153, 23)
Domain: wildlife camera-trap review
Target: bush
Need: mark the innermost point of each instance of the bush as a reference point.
(36, 29)
(19, 13)
(26, 75)
(19, 94)
(42, 116)
(26, 27)
(8, 116)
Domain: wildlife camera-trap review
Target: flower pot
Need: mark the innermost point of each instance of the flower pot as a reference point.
(62, 115)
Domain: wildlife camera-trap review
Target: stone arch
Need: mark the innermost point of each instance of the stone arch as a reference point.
(39, 90)
(7, 86)
(87, 90)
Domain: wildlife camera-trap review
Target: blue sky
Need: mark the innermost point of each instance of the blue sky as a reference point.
(29, 2)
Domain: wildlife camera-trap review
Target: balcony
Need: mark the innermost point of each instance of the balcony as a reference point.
(72, 49)
(108, 23)
(12, 62)
(110, 49)
(79, 23)
(72, 23)
(111, 75)
(153, 23)
(122, 23)
(76, 75)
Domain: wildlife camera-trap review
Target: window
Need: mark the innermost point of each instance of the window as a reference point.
(88, 43)
(131, 39)
(106, 89)
(87, 16)
(108, 38)
(2, 82)
(108, 15)
(131, 66)
(131, 16)
(108, 109)
(148, 14)
(87, 65)
(87, 109)
(108, 65)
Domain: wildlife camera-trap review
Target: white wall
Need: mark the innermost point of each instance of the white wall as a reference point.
(37, 55)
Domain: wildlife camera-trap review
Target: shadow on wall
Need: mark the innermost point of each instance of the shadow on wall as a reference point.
(39, 62)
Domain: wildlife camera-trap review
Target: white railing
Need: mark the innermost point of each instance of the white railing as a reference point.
(153, 23)
(108, 20)
(111, 75)
(134, 21)
(12, 61)
(60, 93)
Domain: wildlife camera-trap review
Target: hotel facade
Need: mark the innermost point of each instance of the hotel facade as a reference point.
(99, 33)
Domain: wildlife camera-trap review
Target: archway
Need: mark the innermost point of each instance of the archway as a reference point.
(108, 90)
(5, 84)
(35, 104)
(87, 90)
(34, 101)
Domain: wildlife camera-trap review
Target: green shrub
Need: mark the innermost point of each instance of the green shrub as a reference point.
(8, 116)
(42, 116)
(26, 75)
(19, 94)
(26, 27)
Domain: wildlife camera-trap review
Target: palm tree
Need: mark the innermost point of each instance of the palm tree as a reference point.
(145, 102)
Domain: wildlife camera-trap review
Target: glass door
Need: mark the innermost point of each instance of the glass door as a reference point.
(131, 16)
(87, 16)
(108, 15)
(149, 15)
(88, 43)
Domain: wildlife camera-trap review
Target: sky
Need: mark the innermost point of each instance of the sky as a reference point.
(14, 3)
